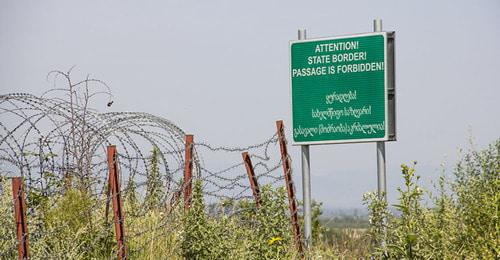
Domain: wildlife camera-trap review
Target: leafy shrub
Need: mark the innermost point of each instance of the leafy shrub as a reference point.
(247, 234)
(378, 217)
(273, 229)
(405, 233)
(154, 235)
(461, 224)
(196, 243)
(154, 185)
(8, 249)
(477, 189)
(70, 228)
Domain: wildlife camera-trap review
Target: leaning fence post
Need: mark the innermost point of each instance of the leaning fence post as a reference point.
(20, 213)
(188, 171)
(114, 183)
(252, 178)
(287, 169)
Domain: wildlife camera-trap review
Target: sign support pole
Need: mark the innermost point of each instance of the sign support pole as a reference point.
(306, 180)
(381, 177)
(306, 189)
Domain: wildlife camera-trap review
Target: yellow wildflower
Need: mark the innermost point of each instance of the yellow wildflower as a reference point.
(274, 239)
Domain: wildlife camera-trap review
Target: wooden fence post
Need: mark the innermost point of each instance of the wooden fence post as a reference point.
(20, 213)
(252, 178)
(188, 171)
(287, 169)
(114, 183)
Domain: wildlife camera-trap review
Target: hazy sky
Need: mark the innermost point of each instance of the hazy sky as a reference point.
(220, 70)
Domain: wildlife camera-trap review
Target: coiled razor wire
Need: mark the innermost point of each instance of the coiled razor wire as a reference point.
(59, 138)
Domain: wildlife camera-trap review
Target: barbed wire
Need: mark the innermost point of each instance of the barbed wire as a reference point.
(58, 143)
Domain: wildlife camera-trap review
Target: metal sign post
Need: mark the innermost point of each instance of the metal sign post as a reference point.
(306, 180)
(381, 177)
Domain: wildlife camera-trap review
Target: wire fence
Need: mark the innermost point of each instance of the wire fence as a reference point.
(58, 144)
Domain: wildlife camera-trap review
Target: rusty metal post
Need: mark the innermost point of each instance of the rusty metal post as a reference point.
(287, 169)
(252, 178)
(20, 213)
(188, 171)
(114, 183)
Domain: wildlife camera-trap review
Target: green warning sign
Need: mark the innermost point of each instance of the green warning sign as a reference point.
(340, 89)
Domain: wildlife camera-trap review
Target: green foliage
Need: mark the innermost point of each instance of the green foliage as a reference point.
(154, 185)
(378, 216)
(8, 249)
(196, 243)
(273, 229)
(442, 226)
(405, 233)
(318, 229)
(264, 233)
(477, 189)
(206, 237)
(162, 238)
(80, 231)
(69, 223)
(131, 198)
(462, 224)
